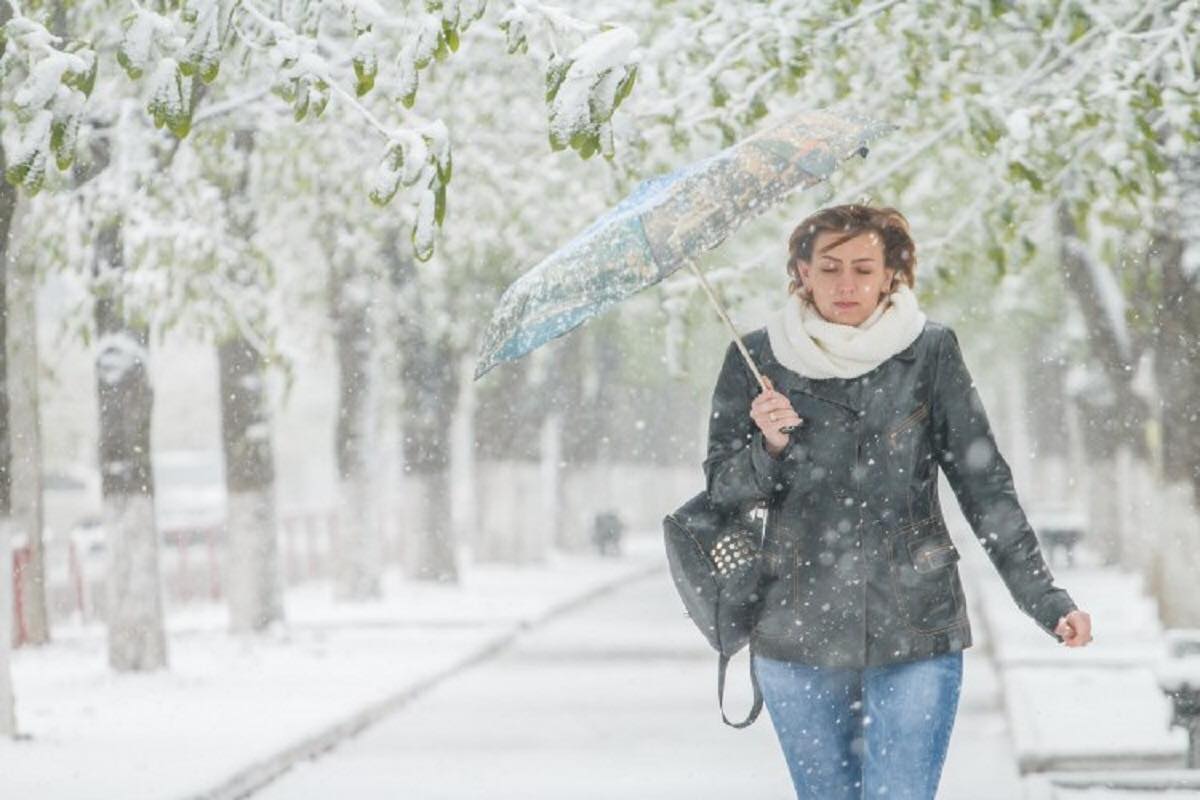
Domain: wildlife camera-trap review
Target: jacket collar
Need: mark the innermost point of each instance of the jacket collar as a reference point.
(909, 353)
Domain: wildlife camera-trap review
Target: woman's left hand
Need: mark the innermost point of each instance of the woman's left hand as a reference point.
(1075, 628)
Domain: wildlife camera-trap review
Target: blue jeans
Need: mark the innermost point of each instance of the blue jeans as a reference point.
(863, 733)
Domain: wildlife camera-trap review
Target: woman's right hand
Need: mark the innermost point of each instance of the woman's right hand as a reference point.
(771, 411)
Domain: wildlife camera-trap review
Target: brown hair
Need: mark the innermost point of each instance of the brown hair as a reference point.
(899, 251)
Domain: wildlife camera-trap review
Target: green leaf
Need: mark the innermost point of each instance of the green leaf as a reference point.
(475, 13)
(1006, 213)
(442, 51)
(590, 144)
(202, 56)
(450, 33)
(287, 90)
(137, 41)
(983, 127)
(580, 141)
(423, 251)
(382, 196)
(29, 171)
(365, 70)
(556, 73)
(679, 138)
(170, 104)
(319, 98)
(1154, 94)
(82, 81)
(514, 33)
(208, 73)
(134, 72)
(719, 96)
(799, 65)
(998, 257)
(1019, 170)
(390, 170)
(1028, 248)
(756, 110)
(408, 100)
(439, 204)
(1154, 160)
(63, 135)
(626, 84)
(728, 134)
(301, 108)
(1080, 24)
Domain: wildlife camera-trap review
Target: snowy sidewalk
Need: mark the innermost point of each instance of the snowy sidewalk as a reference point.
(230, 712)
(1074, 712)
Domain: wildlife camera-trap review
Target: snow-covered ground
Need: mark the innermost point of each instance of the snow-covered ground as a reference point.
(228, 707)
(616, 700)
(613, 699)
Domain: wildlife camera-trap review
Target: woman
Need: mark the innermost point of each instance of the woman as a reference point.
(858, 649)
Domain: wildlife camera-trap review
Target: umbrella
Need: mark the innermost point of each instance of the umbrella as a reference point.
(665, 223)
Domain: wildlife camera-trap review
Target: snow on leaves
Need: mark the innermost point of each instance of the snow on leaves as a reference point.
(49, 101)
(421, 159)
(177, 49)
(586, 86)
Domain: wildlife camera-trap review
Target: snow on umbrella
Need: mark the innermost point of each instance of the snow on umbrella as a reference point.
(666, 223)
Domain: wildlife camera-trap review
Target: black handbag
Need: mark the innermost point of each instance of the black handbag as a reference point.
(715, 557)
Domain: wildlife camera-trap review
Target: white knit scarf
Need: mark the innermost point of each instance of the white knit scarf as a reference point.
(807, 343)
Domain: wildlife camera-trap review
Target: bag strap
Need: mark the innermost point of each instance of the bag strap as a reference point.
(722, 664)
(723, 660)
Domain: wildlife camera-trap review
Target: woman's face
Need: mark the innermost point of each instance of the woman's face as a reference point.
(846, 282)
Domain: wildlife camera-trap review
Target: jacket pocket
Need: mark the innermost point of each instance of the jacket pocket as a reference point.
(925, 583)
(932, 553)
(895, 433)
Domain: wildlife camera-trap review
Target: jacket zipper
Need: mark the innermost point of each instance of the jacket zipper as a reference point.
(796, 582)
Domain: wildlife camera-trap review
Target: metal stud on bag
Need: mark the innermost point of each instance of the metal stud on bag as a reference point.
(732, 553)
(736, 551)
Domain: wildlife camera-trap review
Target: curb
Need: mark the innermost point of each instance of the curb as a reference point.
(248, 780)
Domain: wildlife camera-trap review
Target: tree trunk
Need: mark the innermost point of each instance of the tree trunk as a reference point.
(551, 473)
(1045, 404)
(430, 371)
(464, 483)
(1113, 417)
(254, 577)
(1175, 255)
(429, 376)
(255, 584)
(26, 443)
(136, 634)
(358, 563)
(8, 206)
(1112, 413)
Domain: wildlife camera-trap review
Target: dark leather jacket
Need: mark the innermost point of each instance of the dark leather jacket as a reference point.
(861, 569)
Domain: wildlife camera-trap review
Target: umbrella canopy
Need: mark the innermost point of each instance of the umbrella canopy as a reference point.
(666, 223)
